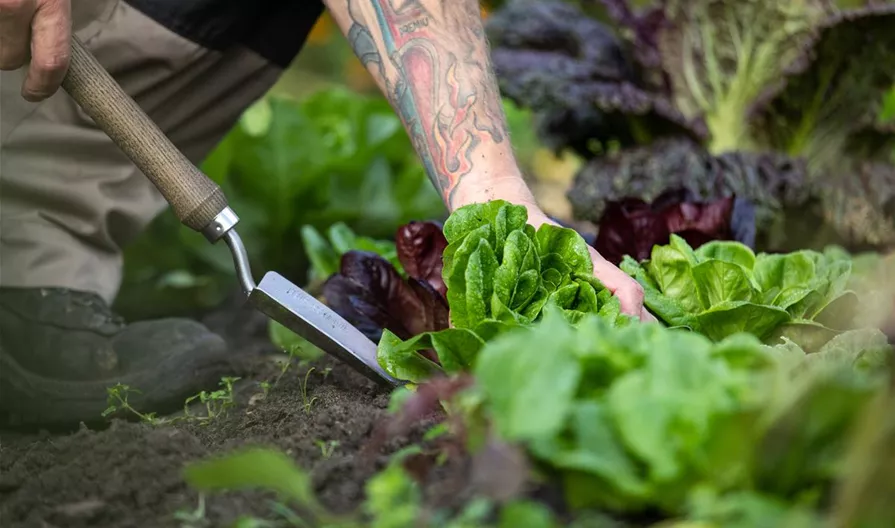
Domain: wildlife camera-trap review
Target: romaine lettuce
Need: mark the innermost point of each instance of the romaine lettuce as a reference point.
(646, 418)
(500, 273)
(723, 288)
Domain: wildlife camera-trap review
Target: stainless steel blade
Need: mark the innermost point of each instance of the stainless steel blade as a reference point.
(300, 312)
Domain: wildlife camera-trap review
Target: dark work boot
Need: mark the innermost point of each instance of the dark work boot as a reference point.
(60, 350)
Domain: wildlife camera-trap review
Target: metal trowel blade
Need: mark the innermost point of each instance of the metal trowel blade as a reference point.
(300, 312)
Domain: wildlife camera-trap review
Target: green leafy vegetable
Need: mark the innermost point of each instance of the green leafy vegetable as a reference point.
(255, 468)
(723, 288)
(393, 499)
(646, 418)
(500, 273)
(498, 267)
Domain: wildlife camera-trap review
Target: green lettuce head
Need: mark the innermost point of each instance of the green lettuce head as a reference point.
(723, 288)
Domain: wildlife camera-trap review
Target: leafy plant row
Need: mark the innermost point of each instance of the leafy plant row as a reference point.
(778, 103)
(719, 416)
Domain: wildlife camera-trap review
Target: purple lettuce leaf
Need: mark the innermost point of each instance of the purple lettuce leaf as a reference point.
(420, 246)
(632, 227)
(371, 295)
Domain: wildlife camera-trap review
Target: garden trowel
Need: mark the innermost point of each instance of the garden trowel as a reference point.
(200, 204)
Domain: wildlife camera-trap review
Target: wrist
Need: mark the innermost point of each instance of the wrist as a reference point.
(509, 186)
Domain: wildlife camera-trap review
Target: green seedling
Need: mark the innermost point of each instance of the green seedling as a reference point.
(252, 522)
(327, 448)
(195, 518)
(118, 401)
(294, 356)
(306, 403)
(216, 402)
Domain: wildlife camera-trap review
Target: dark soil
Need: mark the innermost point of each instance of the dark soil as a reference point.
(130, 474)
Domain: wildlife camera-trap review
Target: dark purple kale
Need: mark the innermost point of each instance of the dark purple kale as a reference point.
(574, 73)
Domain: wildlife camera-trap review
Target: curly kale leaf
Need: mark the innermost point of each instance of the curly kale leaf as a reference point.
(721, 55)
(571, 69)
(873, 140)
(860, 203)
(832, 90)
(642, 30)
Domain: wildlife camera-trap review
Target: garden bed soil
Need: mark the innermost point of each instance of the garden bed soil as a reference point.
(130, 474)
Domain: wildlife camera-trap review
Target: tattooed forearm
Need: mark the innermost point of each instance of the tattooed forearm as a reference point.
(431, 60)
(415, 25)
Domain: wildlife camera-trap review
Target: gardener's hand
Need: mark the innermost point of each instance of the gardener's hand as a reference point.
(39, 31)
(628, 290)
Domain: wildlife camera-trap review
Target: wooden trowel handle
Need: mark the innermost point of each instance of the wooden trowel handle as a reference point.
(196, 199)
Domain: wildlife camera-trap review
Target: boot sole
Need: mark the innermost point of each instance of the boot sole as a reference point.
(30, 399)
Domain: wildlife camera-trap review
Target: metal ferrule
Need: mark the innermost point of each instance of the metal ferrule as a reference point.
(222, 224)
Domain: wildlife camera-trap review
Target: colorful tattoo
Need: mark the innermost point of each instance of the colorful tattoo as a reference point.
(438, 77)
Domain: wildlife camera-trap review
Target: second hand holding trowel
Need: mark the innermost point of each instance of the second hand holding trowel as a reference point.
(200, 204)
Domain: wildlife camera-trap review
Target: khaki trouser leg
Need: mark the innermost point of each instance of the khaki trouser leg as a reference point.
(69, 199)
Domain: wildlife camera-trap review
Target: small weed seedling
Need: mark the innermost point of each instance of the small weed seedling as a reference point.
(295, 354)
(195, 518)
(327, 448)
(304, 392)
(216, 402)
(118, 401)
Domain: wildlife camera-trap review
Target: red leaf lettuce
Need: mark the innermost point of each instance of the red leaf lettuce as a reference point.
(632, 226)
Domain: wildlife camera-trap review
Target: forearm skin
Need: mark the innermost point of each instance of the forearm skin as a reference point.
(431, 59)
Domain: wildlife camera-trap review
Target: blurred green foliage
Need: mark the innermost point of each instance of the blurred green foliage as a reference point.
(887, 115)
(335, 156)
(290, 166)
(325, 252)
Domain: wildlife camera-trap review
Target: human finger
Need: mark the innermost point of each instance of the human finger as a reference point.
(628, 290)
(51, 49)
(15, 32)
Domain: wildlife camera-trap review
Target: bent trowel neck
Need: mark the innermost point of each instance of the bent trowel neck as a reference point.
(297, 310)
